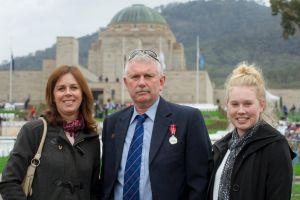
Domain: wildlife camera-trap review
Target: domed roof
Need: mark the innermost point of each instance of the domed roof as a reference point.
(138, 13)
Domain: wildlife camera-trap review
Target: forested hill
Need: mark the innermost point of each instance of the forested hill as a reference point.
(229, 32)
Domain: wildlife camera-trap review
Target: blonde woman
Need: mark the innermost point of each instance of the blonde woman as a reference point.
(254, 161)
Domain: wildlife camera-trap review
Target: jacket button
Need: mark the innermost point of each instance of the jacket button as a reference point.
(236, 188)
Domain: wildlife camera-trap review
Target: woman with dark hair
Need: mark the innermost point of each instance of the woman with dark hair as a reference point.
(69, 165)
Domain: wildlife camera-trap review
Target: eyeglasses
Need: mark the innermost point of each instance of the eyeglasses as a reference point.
(149, 53)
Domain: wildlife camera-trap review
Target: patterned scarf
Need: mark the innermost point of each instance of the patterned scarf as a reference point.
(73, 127)
(236, 144)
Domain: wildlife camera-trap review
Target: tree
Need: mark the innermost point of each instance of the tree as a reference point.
(290, 15)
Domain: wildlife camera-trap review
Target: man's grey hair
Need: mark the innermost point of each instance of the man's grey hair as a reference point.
(142, 57)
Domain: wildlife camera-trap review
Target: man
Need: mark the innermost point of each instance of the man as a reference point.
(170, 156)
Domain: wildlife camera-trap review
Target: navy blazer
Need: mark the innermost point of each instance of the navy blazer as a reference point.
(177, 171)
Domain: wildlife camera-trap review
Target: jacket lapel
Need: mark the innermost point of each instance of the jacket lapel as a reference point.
(120, 134)
(160, 127)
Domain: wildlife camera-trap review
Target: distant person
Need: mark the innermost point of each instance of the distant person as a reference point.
(169, 141)
(32, 113)
(254, 161)
(26, 103)
(293, 109)
(1, 119)
(70, 160)
(285, 111)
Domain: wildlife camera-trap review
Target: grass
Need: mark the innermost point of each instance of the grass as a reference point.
(293, 117)
(212, 114)
(215, 120)
(212, 130)
(295, 192)
(18, 113)
(297, 169)
(3, 161)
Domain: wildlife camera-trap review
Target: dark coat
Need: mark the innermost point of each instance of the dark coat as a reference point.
(65, 172)
(178, 171)
(263, 168)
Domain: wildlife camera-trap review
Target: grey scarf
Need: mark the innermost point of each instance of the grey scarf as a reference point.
(236, 144)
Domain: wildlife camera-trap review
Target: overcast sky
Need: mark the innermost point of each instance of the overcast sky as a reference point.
(30, 25)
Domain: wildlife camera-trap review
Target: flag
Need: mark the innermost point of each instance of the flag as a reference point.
(201, 61)
(12, 62)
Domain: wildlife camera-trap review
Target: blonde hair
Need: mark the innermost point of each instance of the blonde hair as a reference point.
(247, 75)
(250, 75)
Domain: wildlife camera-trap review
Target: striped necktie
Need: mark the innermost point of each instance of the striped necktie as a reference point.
(133, 163)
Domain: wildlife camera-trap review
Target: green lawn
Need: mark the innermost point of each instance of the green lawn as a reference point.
(297, 169)
(3, 161)
(293, 117)
(295, 192)
(212, 114)
(214, 121)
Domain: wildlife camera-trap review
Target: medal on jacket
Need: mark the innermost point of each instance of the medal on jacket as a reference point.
(173, 139)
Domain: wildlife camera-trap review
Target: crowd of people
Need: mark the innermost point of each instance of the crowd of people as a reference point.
(290, 111)
(102, 110)
(153, 149)
(292, 131)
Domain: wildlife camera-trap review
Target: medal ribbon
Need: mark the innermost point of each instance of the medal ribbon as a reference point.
(172, 129)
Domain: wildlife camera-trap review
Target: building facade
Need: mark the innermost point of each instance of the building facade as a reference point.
(134, 27)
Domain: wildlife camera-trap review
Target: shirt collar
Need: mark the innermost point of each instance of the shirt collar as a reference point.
(151, 112)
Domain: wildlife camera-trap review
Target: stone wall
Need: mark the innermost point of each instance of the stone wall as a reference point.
(181, 87)
(289, 96)
(67, 51)
(25, 83)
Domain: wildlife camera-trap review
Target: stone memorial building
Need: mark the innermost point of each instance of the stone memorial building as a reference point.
(134, 27)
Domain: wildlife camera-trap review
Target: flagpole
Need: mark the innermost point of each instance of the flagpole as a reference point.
(123, 66)
(10, 82)
(197, 72)
(10, 73)
(161, 54)
(159, 43)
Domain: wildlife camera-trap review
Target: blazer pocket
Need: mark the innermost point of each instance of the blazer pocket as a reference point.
(177, 148)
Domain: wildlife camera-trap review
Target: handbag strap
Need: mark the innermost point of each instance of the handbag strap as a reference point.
(36, 159)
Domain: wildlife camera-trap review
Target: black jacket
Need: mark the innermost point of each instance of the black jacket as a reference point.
(263, 168)
(68, 172)
(176, 171)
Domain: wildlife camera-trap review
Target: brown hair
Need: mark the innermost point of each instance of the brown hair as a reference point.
(86, 107)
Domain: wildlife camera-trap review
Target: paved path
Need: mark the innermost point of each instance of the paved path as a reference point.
(296, 179)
